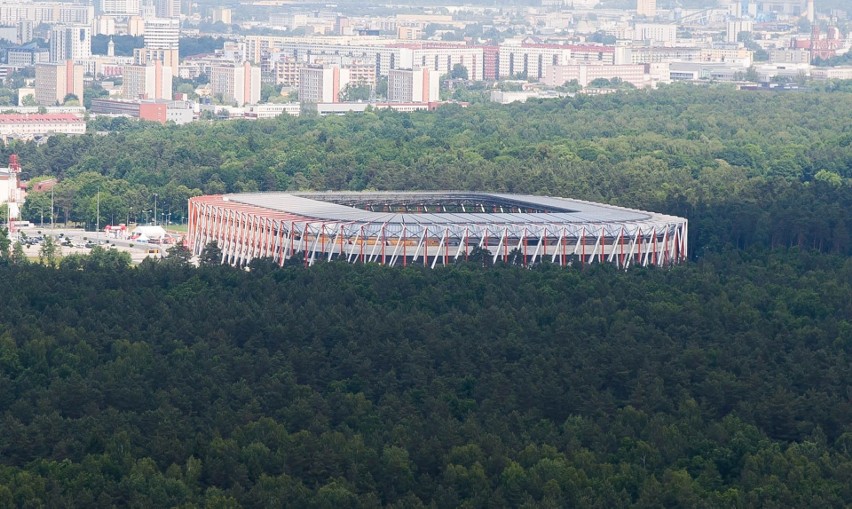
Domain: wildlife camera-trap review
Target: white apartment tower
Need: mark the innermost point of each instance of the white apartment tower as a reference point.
(167, 8)
(162, 33)
(646, 8)
(54, 81)
(162, 38)
(237, 84)
(153, 81)
(413, 86)
(70, 42)
(119, 7)
(322, 83)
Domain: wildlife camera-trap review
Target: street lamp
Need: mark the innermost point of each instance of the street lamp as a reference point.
(98, 223)
(155, 209)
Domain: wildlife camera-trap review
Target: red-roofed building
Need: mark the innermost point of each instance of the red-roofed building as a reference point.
(28, 125)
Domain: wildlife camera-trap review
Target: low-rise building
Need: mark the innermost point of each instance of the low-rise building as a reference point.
(160, 111)
(26, 56)
(27, 126)
(272, 110)
(789, 56)
(831, 73)
(558, 75)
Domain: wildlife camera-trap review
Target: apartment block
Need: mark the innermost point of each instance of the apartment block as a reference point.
(646, 8)
(413, 86)
(236, 83)
(558, 75)
(162, 33)
(529, 59)
(119, 7)
(70, 42)
(26, 56)
(48, 13)
(54, 81)
(656, 32)
(322, 83)
(153, 81)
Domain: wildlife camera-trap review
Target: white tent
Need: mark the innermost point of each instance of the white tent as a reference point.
(151, 232)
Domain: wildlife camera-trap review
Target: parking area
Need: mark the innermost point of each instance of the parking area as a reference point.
(77, 241)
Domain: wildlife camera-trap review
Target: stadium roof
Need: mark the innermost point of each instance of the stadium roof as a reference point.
(327, 207)
(431, 227)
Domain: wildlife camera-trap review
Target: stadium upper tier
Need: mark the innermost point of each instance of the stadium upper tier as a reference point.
(431, 228)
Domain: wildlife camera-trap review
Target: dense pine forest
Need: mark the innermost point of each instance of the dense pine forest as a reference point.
(724, 382)
(721, 383)
(746, 168)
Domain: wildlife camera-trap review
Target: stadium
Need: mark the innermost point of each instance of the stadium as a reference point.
(431, 229)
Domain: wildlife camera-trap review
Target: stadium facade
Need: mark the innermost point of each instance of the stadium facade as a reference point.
(431, 229)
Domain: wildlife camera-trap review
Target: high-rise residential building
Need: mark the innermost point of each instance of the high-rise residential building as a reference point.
(646, 8)
(167, 8)
(162, 33)
(417, 86)
(527, 60)
(119, 7)
(221, 14)
(55, 81)
(322, 83)
(656, 32)
(736, 27)
(169, 57)
(153, 81)
(49, 13)
(287, 71)
(70, 42)
(236, 84)
(24, 31)
(162, 38)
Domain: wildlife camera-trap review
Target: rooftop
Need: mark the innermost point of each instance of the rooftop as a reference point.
(38, 118)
